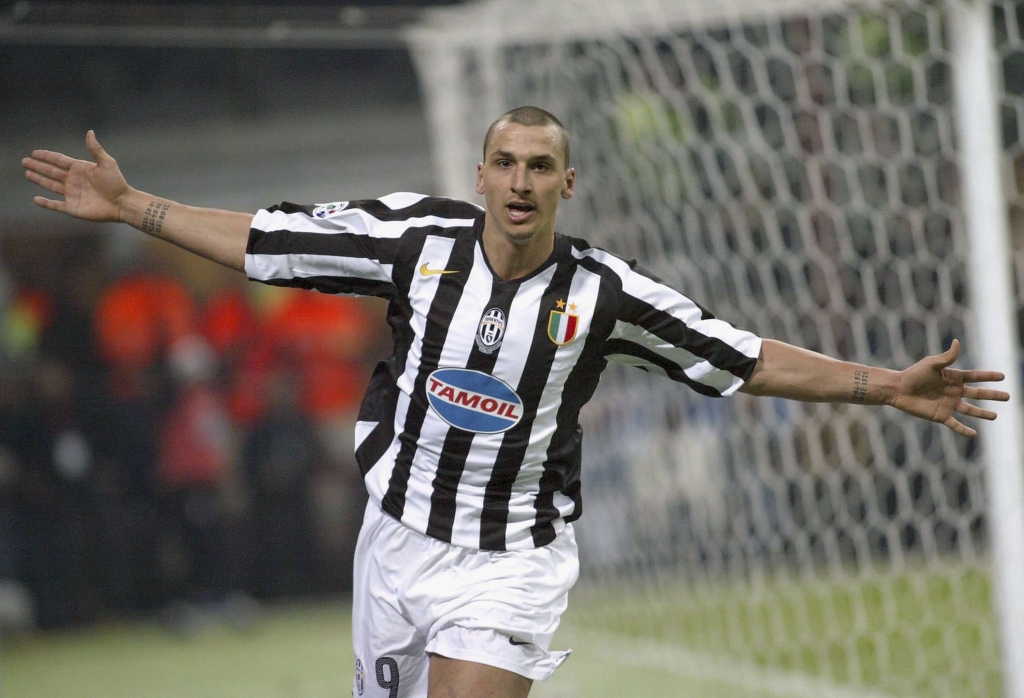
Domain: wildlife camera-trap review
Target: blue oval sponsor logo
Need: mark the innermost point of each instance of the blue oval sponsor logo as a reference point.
(473, 401)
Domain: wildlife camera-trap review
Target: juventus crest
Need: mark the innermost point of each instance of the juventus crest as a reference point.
(490, 331)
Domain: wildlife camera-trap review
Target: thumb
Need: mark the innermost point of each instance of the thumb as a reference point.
(947, 357)
(95, 149)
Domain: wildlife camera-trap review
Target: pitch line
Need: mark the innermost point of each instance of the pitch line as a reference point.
(749, 677)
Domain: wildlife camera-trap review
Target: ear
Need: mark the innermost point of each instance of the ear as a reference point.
(479, 178)
(570, 184)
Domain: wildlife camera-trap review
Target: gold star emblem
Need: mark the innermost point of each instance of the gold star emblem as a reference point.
(572, 307)
(560, 304)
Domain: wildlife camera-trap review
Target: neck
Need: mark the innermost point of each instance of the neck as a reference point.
(514, 260)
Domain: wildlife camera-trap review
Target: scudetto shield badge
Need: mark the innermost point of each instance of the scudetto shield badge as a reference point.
(490, 331)
(562, 327)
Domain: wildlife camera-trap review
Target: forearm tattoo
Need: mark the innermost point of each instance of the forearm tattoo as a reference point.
(153, 218)
(860, 386)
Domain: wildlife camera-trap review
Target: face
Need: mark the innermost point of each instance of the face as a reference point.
(523, 178)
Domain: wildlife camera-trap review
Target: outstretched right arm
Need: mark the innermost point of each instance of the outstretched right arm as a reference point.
(97, 191)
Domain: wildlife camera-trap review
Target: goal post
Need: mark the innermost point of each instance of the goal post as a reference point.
(986, 210)
(832, 173)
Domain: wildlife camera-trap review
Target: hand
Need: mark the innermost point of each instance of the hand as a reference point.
(92, 191)
(932, 390)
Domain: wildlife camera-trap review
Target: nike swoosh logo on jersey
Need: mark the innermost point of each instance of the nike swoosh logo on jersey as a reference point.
(427, 271)
(513, 641)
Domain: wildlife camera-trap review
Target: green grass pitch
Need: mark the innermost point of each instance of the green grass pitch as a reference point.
(713, 643)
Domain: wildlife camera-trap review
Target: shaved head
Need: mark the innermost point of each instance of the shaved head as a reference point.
(530, 116)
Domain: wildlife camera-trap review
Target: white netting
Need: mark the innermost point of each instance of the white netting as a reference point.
(793, 167)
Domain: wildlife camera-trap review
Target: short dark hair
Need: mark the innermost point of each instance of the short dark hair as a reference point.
(530, 116)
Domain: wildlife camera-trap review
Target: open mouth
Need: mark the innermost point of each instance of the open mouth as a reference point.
(518, 211)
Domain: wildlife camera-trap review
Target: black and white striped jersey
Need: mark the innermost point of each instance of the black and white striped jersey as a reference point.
(469, 432)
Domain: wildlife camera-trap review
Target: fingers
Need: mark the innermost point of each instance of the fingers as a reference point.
(43, 168)
(44, 175)
(975, 393)
(950, 355)
(55, 166)
(49, 204)
(53, 158)
(57, 187)
(969, 410)
(47, 169)
(982, 376)
(959, 428)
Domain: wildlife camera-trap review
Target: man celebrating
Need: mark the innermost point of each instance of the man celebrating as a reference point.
(468, 438)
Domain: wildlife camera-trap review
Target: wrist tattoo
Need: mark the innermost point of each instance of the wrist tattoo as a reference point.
(860, 386)
(153, 218)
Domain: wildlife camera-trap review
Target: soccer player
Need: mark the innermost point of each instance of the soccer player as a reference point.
(468, 437)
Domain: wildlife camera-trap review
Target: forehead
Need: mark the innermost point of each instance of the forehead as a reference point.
(526, 141)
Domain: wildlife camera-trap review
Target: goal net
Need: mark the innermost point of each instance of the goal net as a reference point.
(793, 166)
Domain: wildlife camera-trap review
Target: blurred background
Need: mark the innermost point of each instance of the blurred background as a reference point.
(173, 439)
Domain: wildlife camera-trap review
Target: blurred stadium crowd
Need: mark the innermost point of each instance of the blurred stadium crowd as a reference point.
(171, 442)
(172, 437)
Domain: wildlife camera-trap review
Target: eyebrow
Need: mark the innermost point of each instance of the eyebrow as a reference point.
(506, 155)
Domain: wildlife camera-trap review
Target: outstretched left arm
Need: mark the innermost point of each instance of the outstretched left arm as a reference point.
(929, 389)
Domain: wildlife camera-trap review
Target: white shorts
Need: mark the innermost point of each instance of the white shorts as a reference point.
(415, 595)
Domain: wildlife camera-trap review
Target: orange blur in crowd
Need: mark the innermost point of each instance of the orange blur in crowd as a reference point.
(325, 339)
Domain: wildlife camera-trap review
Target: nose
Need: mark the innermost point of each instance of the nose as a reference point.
(521, 180)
